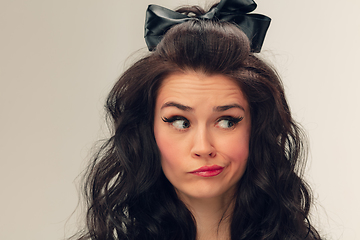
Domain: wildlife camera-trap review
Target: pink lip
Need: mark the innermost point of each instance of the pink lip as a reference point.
(208, 171)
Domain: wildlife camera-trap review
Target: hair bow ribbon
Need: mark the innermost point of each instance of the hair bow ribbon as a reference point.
(159, 20)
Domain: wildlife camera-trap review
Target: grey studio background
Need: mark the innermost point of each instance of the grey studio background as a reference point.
(59, 59)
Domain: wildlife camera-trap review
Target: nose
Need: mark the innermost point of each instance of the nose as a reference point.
(202, 145)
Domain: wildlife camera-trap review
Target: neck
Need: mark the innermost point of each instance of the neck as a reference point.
(213, 216)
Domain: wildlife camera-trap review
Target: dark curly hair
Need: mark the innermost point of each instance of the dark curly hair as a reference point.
(128, 195)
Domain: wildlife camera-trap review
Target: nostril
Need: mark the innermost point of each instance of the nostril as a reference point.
(203, 152)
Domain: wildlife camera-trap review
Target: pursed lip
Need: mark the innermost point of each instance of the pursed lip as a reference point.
(208, 171)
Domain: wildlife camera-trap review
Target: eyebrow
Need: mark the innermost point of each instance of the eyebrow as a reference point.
(188, 109)
(227, 107)
(177, 105)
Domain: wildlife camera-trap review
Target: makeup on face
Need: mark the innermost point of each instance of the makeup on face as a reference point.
(202, 128)
(208, 171)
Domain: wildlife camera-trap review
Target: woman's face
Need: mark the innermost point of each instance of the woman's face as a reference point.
(202, 128)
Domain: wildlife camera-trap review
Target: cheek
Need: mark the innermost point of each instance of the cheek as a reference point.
(170, 150)
(166, 147)
(237, 151)
(238, 155)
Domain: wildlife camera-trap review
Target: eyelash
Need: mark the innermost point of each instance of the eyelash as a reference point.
(233, 120)
(176, 118)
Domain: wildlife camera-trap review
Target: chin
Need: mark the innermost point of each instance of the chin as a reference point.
(203, 193)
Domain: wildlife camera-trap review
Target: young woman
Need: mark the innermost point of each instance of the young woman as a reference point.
(204, 146)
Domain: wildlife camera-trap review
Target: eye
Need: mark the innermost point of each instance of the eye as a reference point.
(228, 122)
(178, 122)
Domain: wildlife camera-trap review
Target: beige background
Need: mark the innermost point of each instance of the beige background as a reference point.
(59, 58)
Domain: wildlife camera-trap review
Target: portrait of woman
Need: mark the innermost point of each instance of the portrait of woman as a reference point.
(203, 145)
(207, 137)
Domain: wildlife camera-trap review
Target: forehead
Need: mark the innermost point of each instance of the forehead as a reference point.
(192, 86)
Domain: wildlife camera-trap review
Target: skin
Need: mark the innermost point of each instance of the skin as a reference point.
(201, 121)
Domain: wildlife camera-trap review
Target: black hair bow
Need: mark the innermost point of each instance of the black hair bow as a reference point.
(159, 20)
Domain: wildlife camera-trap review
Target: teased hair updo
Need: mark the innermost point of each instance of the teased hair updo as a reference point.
(127, 193)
